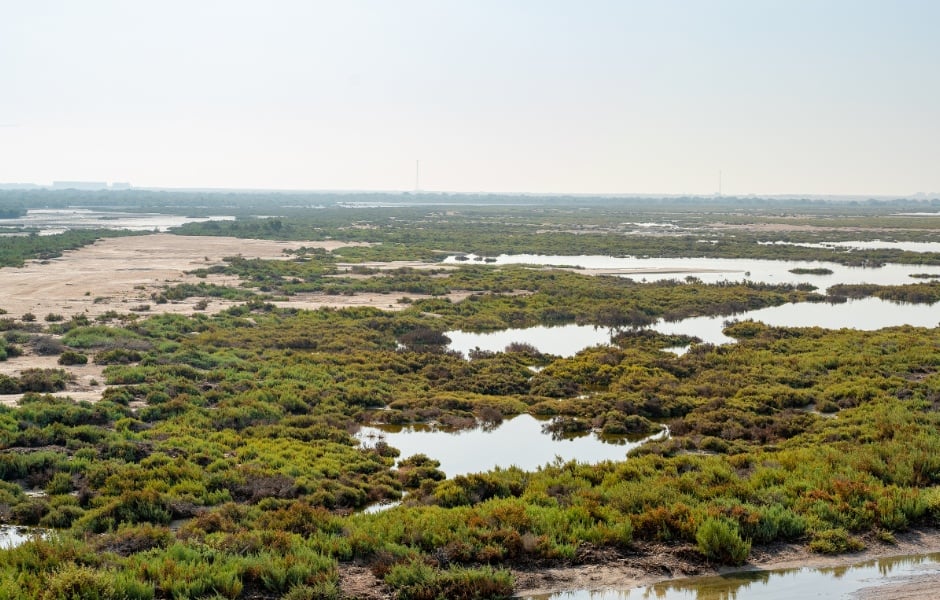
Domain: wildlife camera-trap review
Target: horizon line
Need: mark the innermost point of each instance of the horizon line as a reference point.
(425, 192)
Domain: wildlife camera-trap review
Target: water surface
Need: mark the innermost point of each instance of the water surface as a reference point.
(716, 270)
(866, 314)
(516, 442)
(12, 536)
(561, 340)
(782, 584)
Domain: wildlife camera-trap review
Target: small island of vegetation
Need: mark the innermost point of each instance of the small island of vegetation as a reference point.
(811, 271)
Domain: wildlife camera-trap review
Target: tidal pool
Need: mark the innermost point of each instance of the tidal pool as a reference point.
(850, 581)
(12, 536)
(563, 340)
(715, 270)
(515, 442)
(865, 314)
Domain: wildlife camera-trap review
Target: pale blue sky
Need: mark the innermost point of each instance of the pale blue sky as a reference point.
(820, 97)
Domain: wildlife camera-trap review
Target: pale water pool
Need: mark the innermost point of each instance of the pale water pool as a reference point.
(518, 441)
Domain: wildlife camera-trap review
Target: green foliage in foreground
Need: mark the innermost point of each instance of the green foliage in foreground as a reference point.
(418, 581)
(719, 539)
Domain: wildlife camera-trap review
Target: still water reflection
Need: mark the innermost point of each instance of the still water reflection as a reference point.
(784, 584)
(715, 270)
(515, 442)
(866, 314)
(14, 535)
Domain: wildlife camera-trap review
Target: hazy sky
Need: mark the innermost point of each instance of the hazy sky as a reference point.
(789, 96)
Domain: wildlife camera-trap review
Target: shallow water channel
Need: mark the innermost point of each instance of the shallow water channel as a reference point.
(567, 340)
(715, 270)
(861, 580)
(515, 442)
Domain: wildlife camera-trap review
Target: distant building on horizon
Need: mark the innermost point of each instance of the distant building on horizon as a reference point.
(79, 185)
(90, 185)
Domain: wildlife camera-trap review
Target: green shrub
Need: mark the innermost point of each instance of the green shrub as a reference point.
(71, 357)
(321, 591)
(9, 385)
(72, 582)
(61, 517)
(43, 380)
(718, 539)
(418, 581)
(118, 356)
(61, 483)
(835, 541)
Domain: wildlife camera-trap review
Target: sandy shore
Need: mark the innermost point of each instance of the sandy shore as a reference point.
(390, 302)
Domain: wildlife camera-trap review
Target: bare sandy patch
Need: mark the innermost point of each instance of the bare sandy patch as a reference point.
(12, 400)
(86, 381)
(391, 302)
(123, 272)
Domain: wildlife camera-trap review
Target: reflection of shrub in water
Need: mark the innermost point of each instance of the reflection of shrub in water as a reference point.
(564, 426)
(726, 587)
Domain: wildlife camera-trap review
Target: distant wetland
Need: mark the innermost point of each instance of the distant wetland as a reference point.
(59, 220)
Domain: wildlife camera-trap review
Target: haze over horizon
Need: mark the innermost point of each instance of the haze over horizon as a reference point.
(598, 97)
